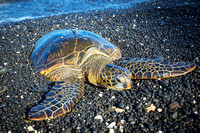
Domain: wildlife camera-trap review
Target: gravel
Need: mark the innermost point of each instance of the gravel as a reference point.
(149, 30)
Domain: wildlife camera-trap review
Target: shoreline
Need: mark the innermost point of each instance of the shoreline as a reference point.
(149, 30)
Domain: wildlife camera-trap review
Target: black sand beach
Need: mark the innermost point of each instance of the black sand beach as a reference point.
(167, 29)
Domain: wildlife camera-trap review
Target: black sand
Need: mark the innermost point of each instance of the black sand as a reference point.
(167, 29)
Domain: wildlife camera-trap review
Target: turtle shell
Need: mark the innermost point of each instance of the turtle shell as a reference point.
(67, 48)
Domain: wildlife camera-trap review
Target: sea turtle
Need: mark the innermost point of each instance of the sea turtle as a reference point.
(71, 57)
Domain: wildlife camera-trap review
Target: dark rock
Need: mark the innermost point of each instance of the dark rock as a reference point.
(174, 115)
(121, 105)
(175, 125)
(188, 120)
(174, 105)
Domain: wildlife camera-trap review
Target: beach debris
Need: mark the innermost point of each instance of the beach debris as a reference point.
(151, 108)
(118, 110)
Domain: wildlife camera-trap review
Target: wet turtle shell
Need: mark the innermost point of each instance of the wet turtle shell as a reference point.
(67, 48)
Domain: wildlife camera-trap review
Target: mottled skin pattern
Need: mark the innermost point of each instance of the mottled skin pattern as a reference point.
(111, 73)
(71, 57)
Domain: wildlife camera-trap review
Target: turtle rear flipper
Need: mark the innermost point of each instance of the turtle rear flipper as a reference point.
(143, 68)
(61, 99)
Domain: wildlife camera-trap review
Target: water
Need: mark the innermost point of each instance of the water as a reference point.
(31, 9)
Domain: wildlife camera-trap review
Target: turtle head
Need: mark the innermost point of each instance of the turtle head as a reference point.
(115, 77)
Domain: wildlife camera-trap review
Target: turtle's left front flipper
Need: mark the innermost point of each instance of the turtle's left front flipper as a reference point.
(143, 68)
(61, 99)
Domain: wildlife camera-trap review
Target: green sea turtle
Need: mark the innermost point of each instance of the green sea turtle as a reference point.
(71, 57)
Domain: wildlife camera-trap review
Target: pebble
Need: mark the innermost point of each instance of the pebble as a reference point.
(101, 94)
(30, 129)
(188, 120)
(174, 115)
(99, 117)
(159, 110)
(11, 72)
(3, 70)
(3, 89)
(174, 105)
(151, 108)
(112, 125)
(121, 105)
(175, 125)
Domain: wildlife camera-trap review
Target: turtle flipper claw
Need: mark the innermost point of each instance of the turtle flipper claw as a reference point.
(60, 100)
(143, 68)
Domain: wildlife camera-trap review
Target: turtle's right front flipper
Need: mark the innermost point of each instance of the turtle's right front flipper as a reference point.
(61, 99)
(143, 68)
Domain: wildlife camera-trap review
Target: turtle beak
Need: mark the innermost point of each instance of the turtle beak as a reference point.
(128, 85)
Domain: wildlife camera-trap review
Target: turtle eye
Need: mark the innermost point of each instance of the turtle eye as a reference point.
(120, 79)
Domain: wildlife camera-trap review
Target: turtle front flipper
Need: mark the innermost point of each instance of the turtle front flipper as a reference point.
(59, 100)
(143, 68)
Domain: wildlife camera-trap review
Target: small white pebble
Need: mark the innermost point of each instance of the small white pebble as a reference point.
(144, 99)
(22, 96)
(9, 132)
(160, 131)
(196, 112)
(30, 128)
(127, 107)
(194, 102)
(113, 97)
(167, 50)
(112, 125)
(8, 96)
(111, 131)
(118, 110)
(159, 110)
(138, 84)
(101, 94)
(141, 43)
(99, 117)
(122, 122)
